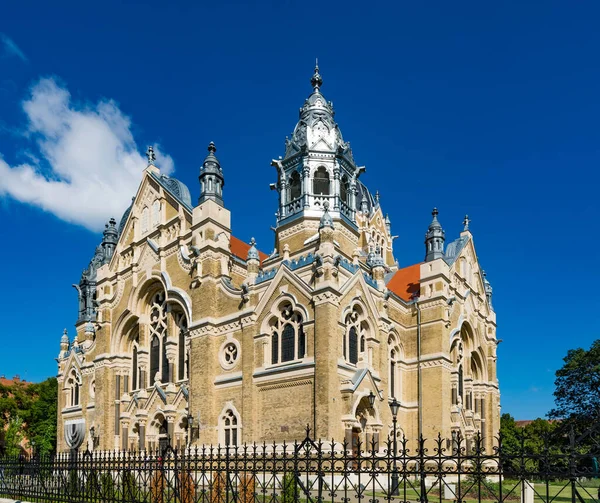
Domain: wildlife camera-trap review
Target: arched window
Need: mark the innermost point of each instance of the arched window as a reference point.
(155, 213)
(295, 186)
(159, 363)
(345, 190)
(355, 338)
(230, 426)
(145, 223)
(181, 322)
(321, 182)
(394, 359)
(288, 341)
(73, 385)
(134, 368)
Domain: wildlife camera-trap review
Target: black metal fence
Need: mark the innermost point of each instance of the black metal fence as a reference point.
(315, 472)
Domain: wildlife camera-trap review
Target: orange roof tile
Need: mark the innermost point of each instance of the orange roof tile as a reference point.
(405, 283)
(240, 249)
(15, 380)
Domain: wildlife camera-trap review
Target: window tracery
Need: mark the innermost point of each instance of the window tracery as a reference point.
(159, 364)
(354, 344)
(73, 387)
(155, 213)
(230, 426)
(288, 341)
(183, 356)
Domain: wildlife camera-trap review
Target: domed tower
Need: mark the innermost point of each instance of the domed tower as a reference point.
(211, 178)
(434, 239)
(318, 165)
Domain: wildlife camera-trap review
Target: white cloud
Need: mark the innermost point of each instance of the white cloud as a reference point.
(11, 49)
(90, 165)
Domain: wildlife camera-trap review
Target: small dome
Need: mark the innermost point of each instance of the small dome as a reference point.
(253, 252)
(178, 188)
(125, 217)
(65, 337)
(374, 258)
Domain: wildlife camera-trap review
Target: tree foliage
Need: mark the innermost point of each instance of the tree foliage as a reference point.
(28, 410)
(577, 388)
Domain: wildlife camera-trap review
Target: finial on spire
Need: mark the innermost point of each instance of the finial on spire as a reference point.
(376, 197)
(435, 213)
(151, 155)
(466, 223)
(316, 80)
(211, 147)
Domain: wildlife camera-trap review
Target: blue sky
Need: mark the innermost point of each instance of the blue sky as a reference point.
(484, 108)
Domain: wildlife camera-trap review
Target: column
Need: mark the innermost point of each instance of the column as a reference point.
(125, 436)
(336, 187)
(348, 438)
(142, 435)
(283, 197)
(170, 429)
(306, 180)
(117, 403)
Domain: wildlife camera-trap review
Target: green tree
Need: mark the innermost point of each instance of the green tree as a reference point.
(40, 418)
(13, 437)
(577, 388)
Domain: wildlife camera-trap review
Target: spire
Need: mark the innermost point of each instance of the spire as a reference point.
(364, 206)
(252, 252)
(151, 156)
(211, 178)
(326, 220)
(316, 80)
(466, 223)
(434, 239)
(65, 337)
(388, 224)
(376, 198)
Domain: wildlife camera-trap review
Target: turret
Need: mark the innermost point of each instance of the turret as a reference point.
(253, 261)
(64, 344)
(109, 239)
(211, 178)
(434, 239)
(488, 289)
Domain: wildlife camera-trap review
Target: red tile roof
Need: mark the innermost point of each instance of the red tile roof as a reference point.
(240, 249)
(405, 283)
(15, 380)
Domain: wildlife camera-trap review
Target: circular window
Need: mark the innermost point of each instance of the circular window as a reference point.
(229, 354)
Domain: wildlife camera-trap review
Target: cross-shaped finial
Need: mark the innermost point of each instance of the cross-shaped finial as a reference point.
(150, 155)
(252, 242)
(466, 223)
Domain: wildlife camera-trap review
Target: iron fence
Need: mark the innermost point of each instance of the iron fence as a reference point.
(434, 470)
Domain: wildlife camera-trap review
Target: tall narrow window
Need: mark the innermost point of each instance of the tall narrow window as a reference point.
(295, 186)
(182, 327)
(321, 182)
(134, 369)
(301, 343)
(275, 347)
(73, 385)
(345, 190)
(154, 358)
(392, 373)
(155, 213)
(145, 223)
(287, 343)
(460, 383)
(353, 345)
(165, 377)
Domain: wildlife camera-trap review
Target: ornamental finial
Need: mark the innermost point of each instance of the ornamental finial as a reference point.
(151, 155)
(316, 80)
(466, 223)
(211, 147)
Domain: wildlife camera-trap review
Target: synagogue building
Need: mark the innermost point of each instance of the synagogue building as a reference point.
(187, 335)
